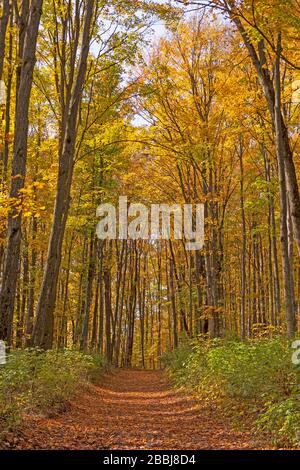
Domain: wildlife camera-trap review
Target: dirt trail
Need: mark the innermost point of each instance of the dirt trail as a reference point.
(133, 410)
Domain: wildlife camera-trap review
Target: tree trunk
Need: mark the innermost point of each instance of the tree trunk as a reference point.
(270, 91)
(108, 311)
(286, 267)
(88, 298)
(43, 330)
(3, 26)
(243, 261)
(10, 272)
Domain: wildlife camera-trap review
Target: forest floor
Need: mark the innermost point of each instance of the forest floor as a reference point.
(132, 409)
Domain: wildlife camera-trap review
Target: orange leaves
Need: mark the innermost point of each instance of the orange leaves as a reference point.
(134, 410)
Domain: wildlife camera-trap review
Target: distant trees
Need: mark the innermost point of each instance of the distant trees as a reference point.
(210, 134)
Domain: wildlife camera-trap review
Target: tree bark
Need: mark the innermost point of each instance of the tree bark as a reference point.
(244, 240)
(275, 108)
(10, 274)
(43, 330)
(88, 298)
(286, 266)
(3, 27)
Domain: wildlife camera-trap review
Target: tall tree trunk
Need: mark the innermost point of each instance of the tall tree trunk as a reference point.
(286, 266)
(131, 306)
(88, 298)
(117, 295)
(96, 304)
(10, 272)
(108, 310)
(101, 299)
(120, 320)
(173, 304)
(270, 90)
(31, 290)
(3, 26)
(243, 260)
(8, 101)
(43, 330)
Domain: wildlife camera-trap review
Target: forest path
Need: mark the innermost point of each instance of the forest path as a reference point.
(133, 409)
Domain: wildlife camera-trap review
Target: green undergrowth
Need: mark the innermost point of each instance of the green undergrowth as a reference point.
(254, 380)
(36, 381)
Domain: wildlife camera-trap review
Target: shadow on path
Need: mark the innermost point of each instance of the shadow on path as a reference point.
(134, 409)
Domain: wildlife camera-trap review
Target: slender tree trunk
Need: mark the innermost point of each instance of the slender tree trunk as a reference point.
(118, 288)
(120, 320)
(286, 267)
(173, 304)
(101, 300)
(142, 303)
(8, 101)
(108, 311)
(3, 26)
(132, 303)
(32, 280)
(96, 304)
(243, 261)
(183, 321)
(88, 298)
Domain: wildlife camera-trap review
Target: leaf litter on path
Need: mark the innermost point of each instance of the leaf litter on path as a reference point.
(133, 409)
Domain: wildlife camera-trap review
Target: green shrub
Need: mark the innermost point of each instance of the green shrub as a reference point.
(176, 363)
(260, 369)
(259, 374)
(282, 421)
(37, 381)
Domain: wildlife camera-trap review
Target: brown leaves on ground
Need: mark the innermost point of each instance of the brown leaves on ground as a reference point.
(133, 409)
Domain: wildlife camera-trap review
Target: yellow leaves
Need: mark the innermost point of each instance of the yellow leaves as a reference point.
(128, 176)
(30, 189)
(27, 202)
(4, 209)
(39, 184)
(296, 91)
